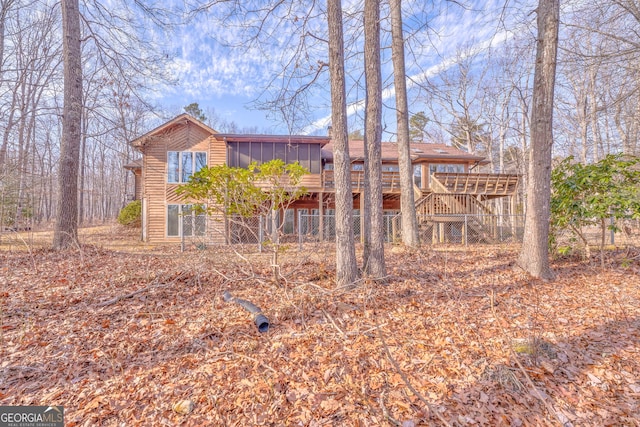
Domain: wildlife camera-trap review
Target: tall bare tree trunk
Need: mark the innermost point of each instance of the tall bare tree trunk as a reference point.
(82, 168)
(410, 235)
(534, 255)
(5, 5)
(346, 264)
(373, 259)
(66, 230)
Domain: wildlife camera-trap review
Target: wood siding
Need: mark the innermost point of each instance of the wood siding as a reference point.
(217, 152)
(159, 193)
(312, 182)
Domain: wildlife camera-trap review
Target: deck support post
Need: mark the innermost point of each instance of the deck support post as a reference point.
(465, 231)
(434, 233)
(321, 217)
(512, 212)
(394, 229)
(299, 228)
(361, 195)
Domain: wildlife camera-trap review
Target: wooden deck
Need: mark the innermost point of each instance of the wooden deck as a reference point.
(486, 184)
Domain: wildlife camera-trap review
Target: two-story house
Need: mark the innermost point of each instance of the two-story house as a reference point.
(444, 184)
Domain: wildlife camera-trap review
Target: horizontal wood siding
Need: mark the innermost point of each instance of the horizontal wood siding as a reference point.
(217, 152)
(312, 182)
(183, 137)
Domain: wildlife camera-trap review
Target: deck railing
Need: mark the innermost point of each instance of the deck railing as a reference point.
(495, 184)
(390, 180)
(441, 182)
(450, 204)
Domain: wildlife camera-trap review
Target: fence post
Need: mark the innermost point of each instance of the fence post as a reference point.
(260, 233)
(466, 230)
(300, 231)
(613, 232)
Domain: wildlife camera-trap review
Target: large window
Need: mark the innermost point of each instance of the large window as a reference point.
(241, 154)
(183, 164)
(443, 167)
(417, 175)
(183, 220)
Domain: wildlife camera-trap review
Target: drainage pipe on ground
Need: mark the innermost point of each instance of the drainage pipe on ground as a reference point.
(261, 321)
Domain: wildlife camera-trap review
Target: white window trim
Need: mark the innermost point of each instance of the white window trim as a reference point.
(193, 162)
(180, 222)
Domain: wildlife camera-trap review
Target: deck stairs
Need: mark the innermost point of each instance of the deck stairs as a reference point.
(459, 199)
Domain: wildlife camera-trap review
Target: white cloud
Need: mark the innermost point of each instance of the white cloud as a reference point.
(211, 62)
(455, 29)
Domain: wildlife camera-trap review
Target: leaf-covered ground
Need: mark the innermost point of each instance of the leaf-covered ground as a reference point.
(456, 337)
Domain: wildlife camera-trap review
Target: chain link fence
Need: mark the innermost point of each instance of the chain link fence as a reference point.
(311, 227)
(436, 229)
(311, 230)
(471, 229)
(622, 233)
(238, 230)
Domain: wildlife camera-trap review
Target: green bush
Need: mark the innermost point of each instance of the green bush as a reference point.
(131, 214)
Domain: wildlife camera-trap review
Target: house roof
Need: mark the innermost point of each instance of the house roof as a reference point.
(183, 118)
(419, 151)
(134, 164)
(289, 139)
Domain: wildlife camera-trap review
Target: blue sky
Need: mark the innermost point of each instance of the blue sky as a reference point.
(227, 79)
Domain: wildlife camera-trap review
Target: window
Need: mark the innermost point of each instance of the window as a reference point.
(267, 151)
(315, 159)
(241, 154)
(442, 167)
(183, 220)
(288, 227)
(417, 175)
(182, 164)
(280, 151)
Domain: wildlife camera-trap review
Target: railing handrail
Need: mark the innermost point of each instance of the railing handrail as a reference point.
(390, 179)
(475, 183)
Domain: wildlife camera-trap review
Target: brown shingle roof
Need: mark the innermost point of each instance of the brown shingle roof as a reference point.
(289, 139)
(419, 151)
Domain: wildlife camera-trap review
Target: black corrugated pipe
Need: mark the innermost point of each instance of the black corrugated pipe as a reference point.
(259, 319)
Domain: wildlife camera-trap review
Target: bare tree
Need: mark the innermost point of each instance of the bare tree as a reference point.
(534, 255)
(346, 264)
(410, 235)
(5, 7)
(373, 256)
(458, 100)
(66, 230)
(30, 69)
